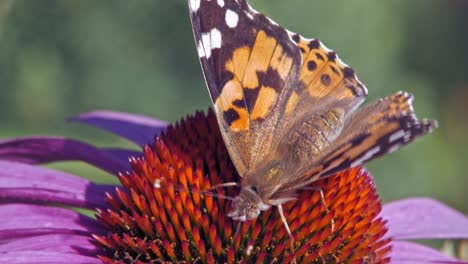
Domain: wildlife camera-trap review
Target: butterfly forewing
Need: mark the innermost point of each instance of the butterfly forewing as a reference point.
(248, 63)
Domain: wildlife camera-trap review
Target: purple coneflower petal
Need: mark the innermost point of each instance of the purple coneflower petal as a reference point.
(46, 232)
(49, 257)
(136, 128)
(412, 253)
(123, 154)
(27, 183)
(58, 241)
(28, 219)
(424, 218)
(43, 149)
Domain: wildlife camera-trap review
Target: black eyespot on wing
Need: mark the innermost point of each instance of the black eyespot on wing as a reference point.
(311, 65)
(325, 79)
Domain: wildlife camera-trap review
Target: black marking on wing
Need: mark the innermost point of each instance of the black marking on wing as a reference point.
(409, 129)
(230, 116)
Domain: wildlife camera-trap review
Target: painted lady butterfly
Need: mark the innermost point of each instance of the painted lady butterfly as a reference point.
(287, 106)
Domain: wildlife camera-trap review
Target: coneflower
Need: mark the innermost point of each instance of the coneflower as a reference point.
(178, 221)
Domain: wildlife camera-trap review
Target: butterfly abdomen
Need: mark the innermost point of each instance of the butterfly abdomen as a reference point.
(315, 133)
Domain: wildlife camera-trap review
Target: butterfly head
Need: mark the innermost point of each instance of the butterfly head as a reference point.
(248, 204)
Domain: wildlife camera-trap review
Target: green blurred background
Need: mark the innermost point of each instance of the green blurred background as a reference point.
(59, 58)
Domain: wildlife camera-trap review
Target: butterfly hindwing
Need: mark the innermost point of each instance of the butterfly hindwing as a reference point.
(374, 130)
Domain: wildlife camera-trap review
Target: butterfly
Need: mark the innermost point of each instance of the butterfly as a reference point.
(288, 107)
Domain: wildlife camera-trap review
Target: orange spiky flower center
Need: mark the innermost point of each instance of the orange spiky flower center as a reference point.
(177, 223)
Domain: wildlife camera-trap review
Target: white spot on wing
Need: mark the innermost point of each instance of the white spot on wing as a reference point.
(206, 43)
(209, 41)
(368, 155)
(215, 39)
(397, 135)
(200, 49)
(231, 18)
(407, 136)
(221, 3)
(194, 5)
(394, 148)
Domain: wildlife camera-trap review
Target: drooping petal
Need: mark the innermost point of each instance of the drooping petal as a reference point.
(47, 233)
(57, 241)
(44, 149)
(424, 218)
(136, 128)
(412, 253)
(123, 154)
(43, 257)
(27, 183)
(37, 219)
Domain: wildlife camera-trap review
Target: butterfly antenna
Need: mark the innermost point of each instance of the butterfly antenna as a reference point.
(322, 200)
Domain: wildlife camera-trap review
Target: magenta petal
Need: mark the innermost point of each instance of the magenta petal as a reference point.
(45, 257)
(46, 232)
(43, 149)
(27, 183)
(136, 128)
(412, 253)
(424, 218)
(56, 242)
(28, 219)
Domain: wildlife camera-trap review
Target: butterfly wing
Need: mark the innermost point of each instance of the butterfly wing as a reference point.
(263, 79)
(247, 63)
(377, 129)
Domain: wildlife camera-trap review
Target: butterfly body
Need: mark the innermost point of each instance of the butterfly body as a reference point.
(304, 141)
(288, 107)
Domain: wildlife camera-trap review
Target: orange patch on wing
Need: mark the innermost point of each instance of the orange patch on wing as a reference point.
(259, 59)
(281, 62)
(238, 62)
(292, 101)
(231, 92)
(308, 76)
(303, 45)
(265, 100)
(242, 123)
(325, 81)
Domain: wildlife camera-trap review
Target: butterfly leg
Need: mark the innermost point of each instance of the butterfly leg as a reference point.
(226, 184)
(322, 200)
(285, 223)
(238, 228)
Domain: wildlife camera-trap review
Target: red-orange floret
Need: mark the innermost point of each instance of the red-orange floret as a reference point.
(178, 223)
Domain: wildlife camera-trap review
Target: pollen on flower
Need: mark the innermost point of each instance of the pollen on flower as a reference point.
(160, 213)
(157, 183)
